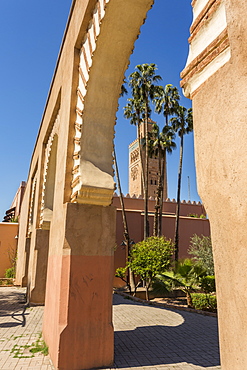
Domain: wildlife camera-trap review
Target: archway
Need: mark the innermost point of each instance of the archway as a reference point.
(102, 33)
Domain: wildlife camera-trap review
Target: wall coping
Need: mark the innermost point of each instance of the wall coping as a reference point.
(167, 200)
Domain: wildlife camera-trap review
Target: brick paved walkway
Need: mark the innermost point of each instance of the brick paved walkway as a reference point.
(145, 337)
(19, 329)
(152, 338)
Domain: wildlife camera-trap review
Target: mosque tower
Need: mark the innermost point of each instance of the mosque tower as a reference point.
(135, 181)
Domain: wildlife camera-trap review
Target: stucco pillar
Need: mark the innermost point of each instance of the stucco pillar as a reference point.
(38, 266)
(216, 78)
(78, 316)
(24, 279)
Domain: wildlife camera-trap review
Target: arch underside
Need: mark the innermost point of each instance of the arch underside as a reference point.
(104, 57)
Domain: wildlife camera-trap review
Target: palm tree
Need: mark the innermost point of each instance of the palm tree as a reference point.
(143, 84)
(160, 143)
(182, 124)
(166, 101)
(186, 275)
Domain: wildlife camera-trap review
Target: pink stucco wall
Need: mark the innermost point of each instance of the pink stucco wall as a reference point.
(8, 244)
(134, 213)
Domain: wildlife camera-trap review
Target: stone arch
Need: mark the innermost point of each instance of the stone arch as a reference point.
(103, 61)
(105, 48)
(49, 188)
(49, 177)
(82, 252)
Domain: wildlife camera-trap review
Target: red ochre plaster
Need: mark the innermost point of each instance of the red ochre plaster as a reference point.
(82, 306)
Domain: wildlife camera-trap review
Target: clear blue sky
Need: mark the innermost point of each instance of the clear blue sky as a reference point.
(30, 36)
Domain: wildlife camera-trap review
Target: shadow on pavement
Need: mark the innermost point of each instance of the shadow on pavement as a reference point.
(195, 341)
(12, 305)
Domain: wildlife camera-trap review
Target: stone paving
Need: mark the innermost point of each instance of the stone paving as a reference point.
(20, 328)
(146, 337)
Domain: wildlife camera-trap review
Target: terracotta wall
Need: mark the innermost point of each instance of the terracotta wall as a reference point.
(8, 244)
(134, 213)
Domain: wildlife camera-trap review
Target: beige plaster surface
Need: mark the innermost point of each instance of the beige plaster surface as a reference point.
(79, 291)
(37, 269)
(81, 236)
(220, 116)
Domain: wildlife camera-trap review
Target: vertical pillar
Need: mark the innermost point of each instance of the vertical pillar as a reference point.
(24, 279)
(78, 316)
(38, 266)
(215, 78)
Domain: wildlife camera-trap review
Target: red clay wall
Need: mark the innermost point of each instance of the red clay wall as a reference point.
(188, 226)
(8, 244)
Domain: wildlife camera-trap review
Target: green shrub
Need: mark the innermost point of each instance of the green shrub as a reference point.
(121, 273)
(208, 284)
(10, 273)
(4, 282)
(202, 301)
(150, 258)
(201, 251)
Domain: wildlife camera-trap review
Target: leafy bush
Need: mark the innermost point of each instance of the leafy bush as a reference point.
(5, 282)
(201, 250)
(10, 273)
(186, 275)
(202, 301)
(208, 284)
(161, 286)
(150, 257)
(195, 215)
(121, 273)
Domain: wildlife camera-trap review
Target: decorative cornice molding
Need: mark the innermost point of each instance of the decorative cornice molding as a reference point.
(96, 196)
(204, 58)
(209, 45)
(167, 200)
(203, 17)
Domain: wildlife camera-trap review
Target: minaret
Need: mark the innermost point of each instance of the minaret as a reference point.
(135, 181)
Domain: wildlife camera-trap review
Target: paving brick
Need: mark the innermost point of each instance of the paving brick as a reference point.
(146, 337)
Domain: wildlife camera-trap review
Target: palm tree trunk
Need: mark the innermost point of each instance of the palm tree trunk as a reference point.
(157, 202)
(163, 176)
(176, 238)
(146, 223)
(189, 299)
(130, 277)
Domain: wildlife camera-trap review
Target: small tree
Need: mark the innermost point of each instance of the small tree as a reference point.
(201, 250)
(150, 258)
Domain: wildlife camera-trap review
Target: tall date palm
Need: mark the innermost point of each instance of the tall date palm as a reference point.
(143, 83)
(182, 124)
(160, 143)
(166, 101)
